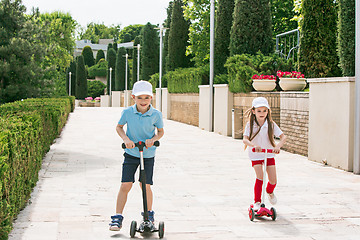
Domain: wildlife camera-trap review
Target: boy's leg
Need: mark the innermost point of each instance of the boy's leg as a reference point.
(122, 196)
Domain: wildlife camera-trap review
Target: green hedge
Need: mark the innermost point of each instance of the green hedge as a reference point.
(187, 80)
(27, 129)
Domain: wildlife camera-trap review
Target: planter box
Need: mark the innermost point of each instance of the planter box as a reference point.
(292, 84)
(264, 85)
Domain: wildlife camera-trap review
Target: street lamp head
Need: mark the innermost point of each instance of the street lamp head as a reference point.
(110, 69)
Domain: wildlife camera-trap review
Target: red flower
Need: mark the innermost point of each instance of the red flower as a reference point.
(292, 74)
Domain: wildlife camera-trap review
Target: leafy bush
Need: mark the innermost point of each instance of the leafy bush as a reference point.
(99, 69)
(27, 129)
(96, 88)
(187, 80)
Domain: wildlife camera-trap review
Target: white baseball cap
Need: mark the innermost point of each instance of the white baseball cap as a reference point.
(260, 102)
(142, 88)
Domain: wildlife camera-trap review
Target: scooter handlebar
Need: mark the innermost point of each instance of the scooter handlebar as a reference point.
(156, 144)
(263, 150)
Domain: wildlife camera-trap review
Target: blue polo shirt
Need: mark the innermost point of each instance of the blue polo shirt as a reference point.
(141, 127)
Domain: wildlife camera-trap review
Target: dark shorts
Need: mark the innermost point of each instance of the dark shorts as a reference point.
(270, 162)
(130, 166)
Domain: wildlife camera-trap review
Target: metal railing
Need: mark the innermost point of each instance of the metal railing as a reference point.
(288, 44)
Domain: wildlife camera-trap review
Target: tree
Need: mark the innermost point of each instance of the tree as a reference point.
(99, 55)
(135, 64)
(282, 16)
(198, 12)
(149, 51)
(167, 24)
(95, 31)
(81, 80)
(223, 25)
(111, 59)
(346, 37)
(129, 33)
(178, 38)
(251, 29)
(72, 69)
(88, 56)
(120, 70)
(318, 57)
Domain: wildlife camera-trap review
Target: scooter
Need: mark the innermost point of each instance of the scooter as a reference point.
(146, 226)
(263, 211)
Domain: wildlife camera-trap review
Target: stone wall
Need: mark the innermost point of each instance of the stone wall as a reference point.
(294, 121)
(184, 107)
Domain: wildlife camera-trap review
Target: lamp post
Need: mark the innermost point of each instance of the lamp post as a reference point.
(160, 64)
(69, 83)
(211, 80)
(126, 79)
(110, 82)
(138, 62)
(356, 164)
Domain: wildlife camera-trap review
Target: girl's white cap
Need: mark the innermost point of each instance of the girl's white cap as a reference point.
(260, 102)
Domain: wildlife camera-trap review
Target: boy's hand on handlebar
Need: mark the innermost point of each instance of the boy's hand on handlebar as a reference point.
(257, 149)
(129, 144)
(149, 143)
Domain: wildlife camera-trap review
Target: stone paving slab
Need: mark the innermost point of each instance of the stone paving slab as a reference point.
(203, 185)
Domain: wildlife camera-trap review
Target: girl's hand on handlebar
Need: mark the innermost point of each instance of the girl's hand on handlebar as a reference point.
(276, 150)
(129, 144)
(149, 143)
(257, 149)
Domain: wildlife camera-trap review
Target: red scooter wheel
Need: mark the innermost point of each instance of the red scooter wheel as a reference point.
(251, 214)
(273, 213)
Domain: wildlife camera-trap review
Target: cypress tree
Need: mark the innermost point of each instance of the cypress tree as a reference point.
(178, 38)
(81, 80)
(111, 59)
(99, 55)
(115, 47)
(224, 16)
(134, 64)
(318, 57)
(149, 51)
(251, 29)
(120, 69)
(346, 37)
(88, 56)
(72, 69)
(167, 24)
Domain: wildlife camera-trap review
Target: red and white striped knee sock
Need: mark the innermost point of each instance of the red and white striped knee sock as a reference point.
(270, 187)
(258, 190)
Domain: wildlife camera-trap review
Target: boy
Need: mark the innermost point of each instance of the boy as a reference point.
(142, 120)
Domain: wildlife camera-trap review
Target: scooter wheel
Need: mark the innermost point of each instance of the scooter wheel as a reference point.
(251, 214)
(273, 213)
(161, 229)
(133, 229)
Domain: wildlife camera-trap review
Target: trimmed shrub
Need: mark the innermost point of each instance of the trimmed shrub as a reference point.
(111, 59)
(88, 56)
(99, 55)
(99, 69)
(149, 51)
(120, 69)
(27, 129)
(318, 56)
(81, 80)
(95, 88)
(251, 30)
(187, 80)
(346, 37)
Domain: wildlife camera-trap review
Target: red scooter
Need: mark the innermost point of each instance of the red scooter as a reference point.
(263, 211)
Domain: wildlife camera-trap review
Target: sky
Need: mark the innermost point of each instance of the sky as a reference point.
(109, 12)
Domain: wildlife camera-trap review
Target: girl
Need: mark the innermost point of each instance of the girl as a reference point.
(259, 134)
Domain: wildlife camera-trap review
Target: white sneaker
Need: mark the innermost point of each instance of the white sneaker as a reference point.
(256, 206)
(272, 198)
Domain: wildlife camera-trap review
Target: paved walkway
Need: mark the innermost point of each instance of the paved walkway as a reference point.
(203, 187)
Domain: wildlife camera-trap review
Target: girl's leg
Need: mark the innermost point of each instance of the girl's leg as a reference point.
(271, 171)
(258, 183)
(122, 196)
